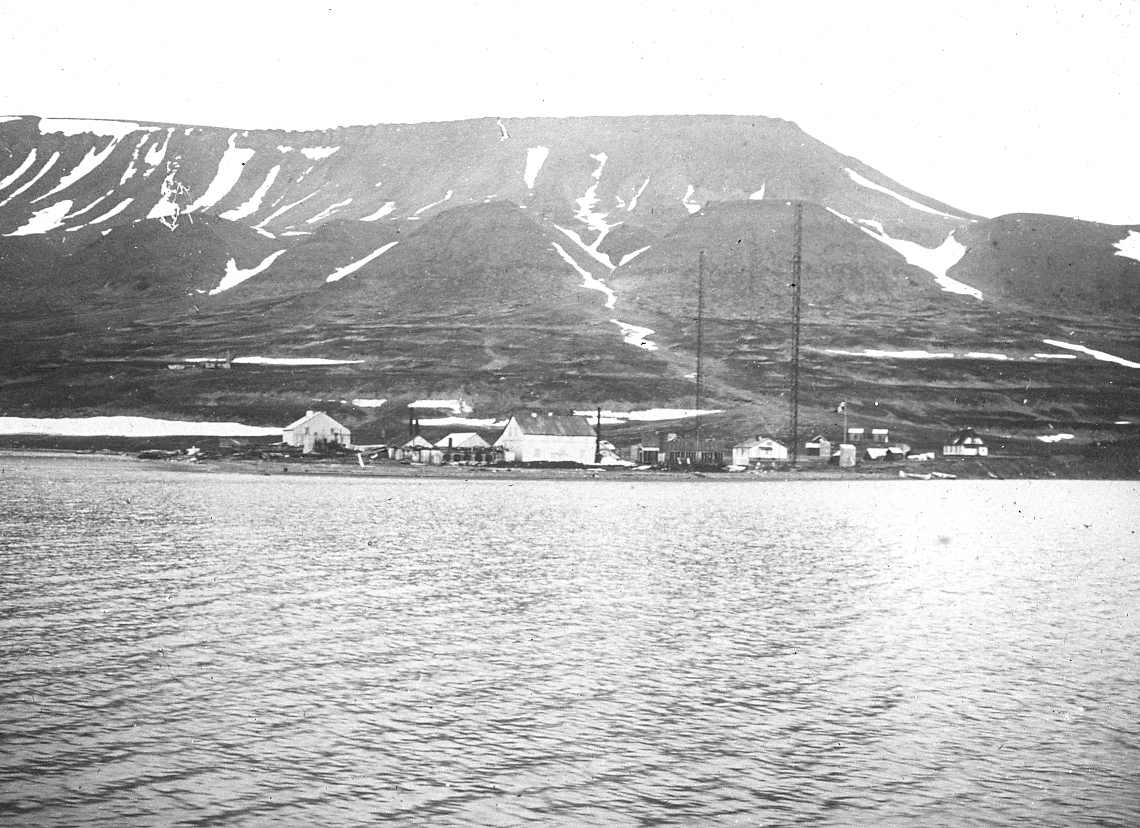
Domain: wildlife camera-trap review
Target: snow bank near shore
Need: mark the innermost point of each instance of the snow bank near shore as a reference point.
(129, 427)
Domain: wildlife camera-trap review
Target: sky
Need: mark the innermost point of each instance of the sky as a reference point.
(990, 107)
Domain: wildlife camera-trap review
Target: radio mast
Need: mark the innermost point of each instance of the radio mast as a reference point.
(797, 240)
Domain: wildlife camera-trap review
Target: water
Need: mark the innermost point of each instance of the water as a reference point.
(219, 649)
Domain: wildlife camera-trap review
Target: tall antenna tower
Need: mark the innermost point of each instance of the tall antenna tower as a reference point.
(700, 335)
(797, 240)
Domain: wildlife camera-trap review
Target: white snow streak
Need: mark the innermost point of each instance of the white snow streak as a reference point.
(128, 427)
(235, 276)
(388, 207)
(293, 361)
(535, 157)
(328, 211)
(156, 154)
(877, 354)
(254, 203)
(131, 169)
(23, 168)
(1054, 356)
(276, 213)
(909, 202)
(503, 134)
(1101, 355)
(935, 261)
(435, 203)
(648, 416)
(635, 335)
(90, 161)
(317, 153)
(629, 257)
(44, 220)
(284, 149)
(985, 355)
(589, 281)
(89, 207)
(1054, 438)
(50, 163)
(114, 211)
(4, 118)
(230, 169)
(633, 202)
(759, 194)
(341, 272)
(590, 249)
(692, 207)
(1128, 247)
(76, 126)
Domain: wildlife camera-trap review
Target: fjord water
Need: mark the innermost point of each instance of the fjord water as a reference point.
(220, 649)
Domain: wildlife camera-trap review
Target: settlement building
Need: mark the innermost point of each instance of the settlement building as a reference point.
(550, 439)
(759, 450)
(965, 443)
(818, 446)
(316, 427)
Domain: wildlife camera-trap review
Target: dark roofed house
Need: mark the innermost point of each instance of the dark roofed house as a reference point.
(965, 443)
(549, 439)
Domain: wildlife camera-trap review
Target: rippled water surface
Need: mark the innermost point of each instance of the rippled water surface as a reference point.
(217, 649)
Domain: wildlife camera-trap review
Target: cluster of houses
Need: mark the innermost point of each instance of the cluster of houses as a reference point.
(572, 439)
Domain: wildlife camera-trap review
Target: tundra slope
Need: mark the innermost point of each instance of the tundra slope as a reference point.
(544, 263)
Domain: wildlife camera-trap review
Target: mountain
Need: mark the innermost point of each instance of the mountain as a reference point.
(542, 263)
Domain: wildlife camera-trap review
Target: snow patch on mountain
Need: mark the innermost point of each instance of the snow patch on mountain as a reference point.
(20, 170)
(44, 220)
(235, 275)
(230, 169)
(168, 206)
(341, 272)
(328, 211)
(633, 201)
(633, 254)
(985, 355)
(909, 202)
(651, 415)
(1054, 438)
(1054, 356)
(435, 203)
(368, 403)
(589, 249)
(535, 158)
(503, 134)
(114, 211)
(692, 207)
(1100, 355)
(454, 406)
(90, 161)
(388, 207)
(50, 163)
(257, 360)
(131, 169)
(935, 261)
(128, 427)
(90, 206)
(879, 354)
(287, 207)
(759, 194)
(156, 154)
(317, 153)
(635, 335)
(77, 126)
(4, 118)
(1128, 247)
(588, 280)
(254, 203)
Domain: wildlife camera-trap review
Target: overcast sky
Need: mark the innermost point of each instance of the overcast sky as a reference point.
(992, 108)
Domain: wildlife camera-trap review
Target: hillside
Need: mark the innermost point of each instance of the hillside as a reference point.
(547, 263)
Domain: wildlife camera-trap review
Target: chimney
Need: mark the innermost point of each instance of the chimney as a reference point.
(310, 413)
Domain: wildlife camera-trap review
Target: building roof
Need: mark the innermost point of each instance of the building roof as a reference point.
(461, 439)
(965, 437)
(555, 426)
(311, 415)
(417, 442)
(759, 441)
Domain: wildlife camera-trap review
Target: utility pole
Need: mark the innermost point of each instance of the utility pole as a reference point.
(700, 336)
(797, 239)
(598, 439)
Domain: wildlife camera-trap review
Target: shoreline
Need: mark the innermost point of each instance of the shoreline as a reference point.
(960, 468)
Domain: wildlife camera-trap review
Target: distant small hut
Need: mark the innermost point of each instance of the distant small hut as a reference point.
(965, 443)
(818, 446)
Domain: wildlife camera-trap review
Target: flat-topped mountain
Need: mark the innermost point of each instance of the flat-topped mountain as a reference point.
(551, 263)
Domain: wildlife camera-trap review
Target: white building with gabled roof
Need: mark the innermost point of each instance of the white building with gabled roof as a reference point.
(549, 439)
(315, 427)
